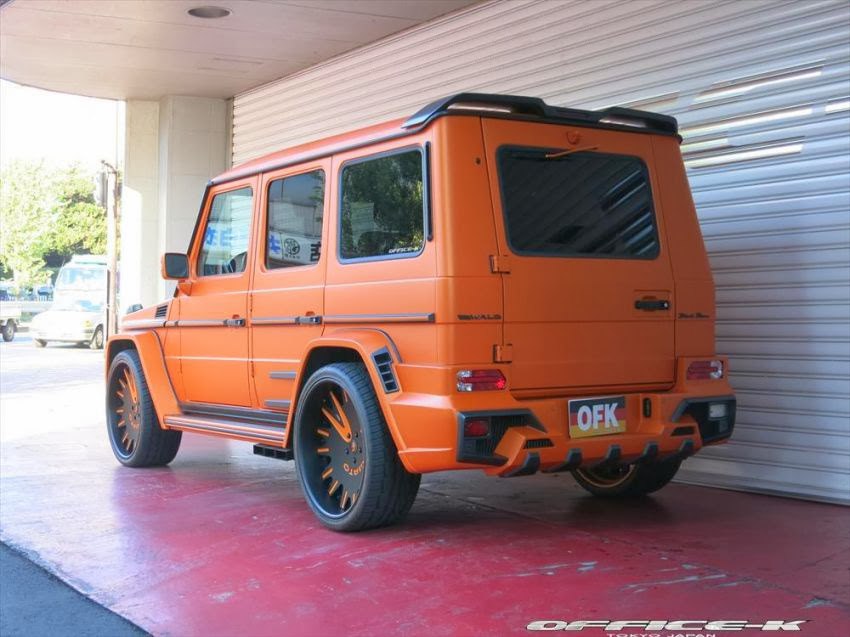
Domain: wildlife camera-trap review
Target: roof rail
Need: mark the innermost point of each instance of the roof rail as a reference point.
(614, 117)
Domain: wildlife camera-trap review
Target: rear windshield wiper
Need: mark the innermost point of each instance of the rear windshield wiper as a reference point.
(569, 151)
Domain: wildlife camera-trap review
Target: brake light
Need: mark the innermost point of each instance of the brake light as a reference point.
(705, 370)
(480, 380)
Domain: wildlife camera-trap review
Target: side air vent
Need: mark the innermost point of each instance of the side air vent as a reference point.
(384, 365)
(161, 311)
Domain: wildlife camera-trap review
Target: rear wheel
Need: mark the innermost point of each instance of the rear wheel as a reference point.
(136, 438)
(96, 341)
(626, 481)
(8, 331)
(346, 461)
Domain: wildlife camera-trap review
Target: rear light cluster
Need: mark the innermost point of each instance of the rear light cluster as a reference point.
(480, 380)
(705, 370)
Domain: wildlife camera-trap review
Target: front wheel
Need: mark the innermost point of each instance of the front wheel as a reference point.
(136, 438)
(347, 463)
(8, 331)
(626, 481)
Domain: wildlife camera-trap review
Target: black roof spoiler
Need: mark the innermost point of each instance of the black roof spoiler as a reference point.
(507, 105)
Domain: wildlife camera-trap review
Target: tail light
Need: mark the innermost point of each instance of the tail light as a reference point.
(480, 380)
(705, 370)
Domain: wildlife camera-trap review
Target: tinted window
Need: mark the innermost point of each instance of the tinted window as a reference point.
(382, 213)
(294, 222)
(577, 204)
(225, 248)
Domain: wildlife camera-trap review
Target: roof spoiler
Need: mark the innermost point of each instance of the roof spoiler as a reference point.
(535, 107)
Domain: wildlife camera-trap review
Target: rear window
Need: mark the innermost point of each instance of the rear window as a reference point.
(581, 204)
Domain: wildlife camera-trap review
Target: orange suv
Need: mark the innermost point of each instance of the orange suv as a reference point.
(493, 283)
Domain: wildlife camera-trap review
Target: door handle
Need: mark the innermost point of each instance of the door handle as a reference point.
(651, 305)
(234, 322)
(309, 320)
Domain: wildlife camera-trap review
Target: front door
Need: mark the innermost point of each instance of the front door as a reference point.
(213, 306)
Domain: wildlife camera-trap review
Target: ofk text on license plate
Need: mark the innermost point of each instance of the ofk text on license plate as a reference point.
(597, 416)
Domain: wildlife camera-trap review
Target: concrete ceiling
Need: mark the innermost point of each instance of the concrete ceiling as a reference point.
(145, 49)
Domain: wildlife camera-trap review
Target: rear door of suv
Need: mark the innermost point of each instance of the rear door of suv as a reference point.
(588, 284)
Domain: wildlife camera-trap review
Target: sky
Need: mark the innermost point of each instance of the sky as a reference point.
(57, 127)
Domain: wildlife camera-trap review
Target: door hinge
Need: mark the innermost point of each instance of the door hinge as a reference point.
(500, 263)
(503, 353)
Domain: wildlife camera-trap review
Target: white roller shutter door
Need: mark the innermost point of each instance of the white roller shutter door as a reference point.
(762, 94)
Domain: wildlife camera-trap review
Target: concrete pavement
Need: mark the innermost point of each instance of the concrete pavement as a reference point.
(220, 543)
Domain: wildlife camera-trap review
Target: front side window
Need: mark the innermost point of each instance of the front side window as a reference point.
(294, 221)
(580, 204)
(382, 207)
(225, 247)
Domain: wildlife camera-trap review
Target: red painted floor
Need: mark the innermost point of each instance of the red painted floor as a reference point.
(221, 543)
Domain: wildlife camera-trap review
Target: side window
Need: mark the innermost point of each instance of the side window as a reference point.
(382, 207)
(294, 220)
(225, 248)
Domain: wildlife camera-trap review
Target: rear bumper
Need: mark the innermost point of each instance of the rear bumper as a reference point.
(533, 435)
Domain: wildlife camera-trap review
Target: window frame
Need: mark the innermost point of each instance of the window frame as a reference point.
(426, 198)
(264, 230)
(577, 255)
(209, 201)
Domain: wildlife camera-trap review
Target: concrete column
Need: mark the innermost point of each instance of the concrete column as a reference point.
(192, 150)
(140, 206)
(172, 148)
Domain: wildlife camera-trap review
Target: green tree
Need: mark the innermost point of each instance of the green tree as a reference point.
(79, 224)
(48, 215)
(25, 197)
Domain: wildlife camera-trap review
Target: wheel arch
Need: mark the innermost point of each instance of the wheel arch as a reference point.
(149, 349)
(349, 345)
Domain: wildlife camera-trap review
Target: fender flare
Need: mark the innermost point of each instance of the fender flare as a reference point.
(149, 347)
(364, 342)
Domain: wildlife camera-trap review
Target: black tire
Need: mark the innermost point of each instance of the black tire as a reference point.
(136, 438)
(353, 483)
(626, 481)
(96, 341)
(8, 331)
(39, 343)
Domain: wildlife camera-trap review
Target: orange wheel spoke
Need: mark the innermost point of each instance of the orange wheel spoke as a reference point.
(344, 501)
(341, 413)
(121, 423)
(324, 433)
(334, 486)
(341, 429)
(327, 472)
(323, 451)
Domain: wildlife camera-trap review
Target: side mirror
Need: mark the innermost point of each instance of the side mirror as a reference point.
(175, 266)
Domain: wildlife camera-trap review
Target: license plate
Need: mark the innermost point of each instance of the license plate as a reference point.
(597, 416)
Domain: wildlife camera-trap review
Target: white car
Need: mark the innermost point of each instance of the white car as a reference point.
(70, 321)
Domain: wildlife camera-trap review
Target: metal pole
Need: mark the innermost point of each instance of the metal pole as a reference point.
(112, 248)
